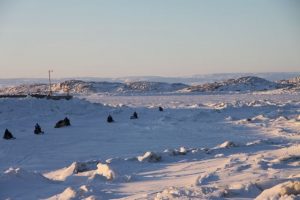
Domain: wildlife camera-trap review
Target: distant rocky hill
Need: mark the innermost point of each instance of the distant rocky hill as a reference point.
(243, 84)
(189, 80)
(248, 83)
(292, 84)
(293, 81)
(205, 78)
(88, 87)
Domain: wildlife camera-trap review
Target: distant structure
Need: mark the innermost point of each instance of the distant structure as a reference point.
(63, 123)
(110, 119)
(8, 135)
(134, 116)
(38, 129)
(50, 90)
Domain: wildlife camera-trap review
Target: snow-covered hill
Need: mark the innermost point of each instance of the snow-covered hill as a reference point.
(189, 80)
(75, 86)
(144, 86)
(205, 78)
(242, 84)
(293, 83)
(89, 87)
(248, 83)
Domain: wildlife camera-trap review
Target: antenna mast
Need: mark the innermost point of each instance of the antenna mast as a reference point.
(50, 90)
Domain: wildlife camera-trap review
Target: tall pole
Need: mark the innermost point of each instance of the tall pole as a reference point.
(50, 90)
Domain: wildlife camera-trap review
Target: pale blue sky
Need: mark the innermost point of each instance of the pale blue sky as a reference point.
(116, 38)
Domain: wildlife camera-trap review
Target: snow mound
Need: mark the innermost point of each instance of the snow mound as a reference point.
(70, 193)
(74, 168)
(174, 193)
(21, 175)
(227, 144)
(182, 150)
(244, 121)
(242, 189)
(149, 157)
(106, 171)
(67, 194)
(259, 118)
(115, 169)
(177, 193)
(220, 155)
(221, 105)
(206, 178)
(281, 118)
(286, 190)
(15, 182)
(226, 105)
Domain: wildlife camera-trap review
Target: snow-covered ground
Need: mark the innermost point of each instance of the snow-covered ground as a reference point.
(229, 146)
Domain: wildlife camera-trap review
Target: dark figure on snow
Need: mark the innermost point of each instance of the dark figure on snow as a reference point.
(110, 119)
(134, 116)
(63, 123)
(160, 109)
(38, 129)
(67, 121)
(8, 135)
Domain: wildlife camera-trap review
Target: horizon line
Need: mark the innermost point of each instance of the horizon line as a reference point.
(154, 76)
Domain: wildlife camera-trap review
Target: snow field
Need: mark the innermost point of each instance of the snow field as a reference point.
(235, 149)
